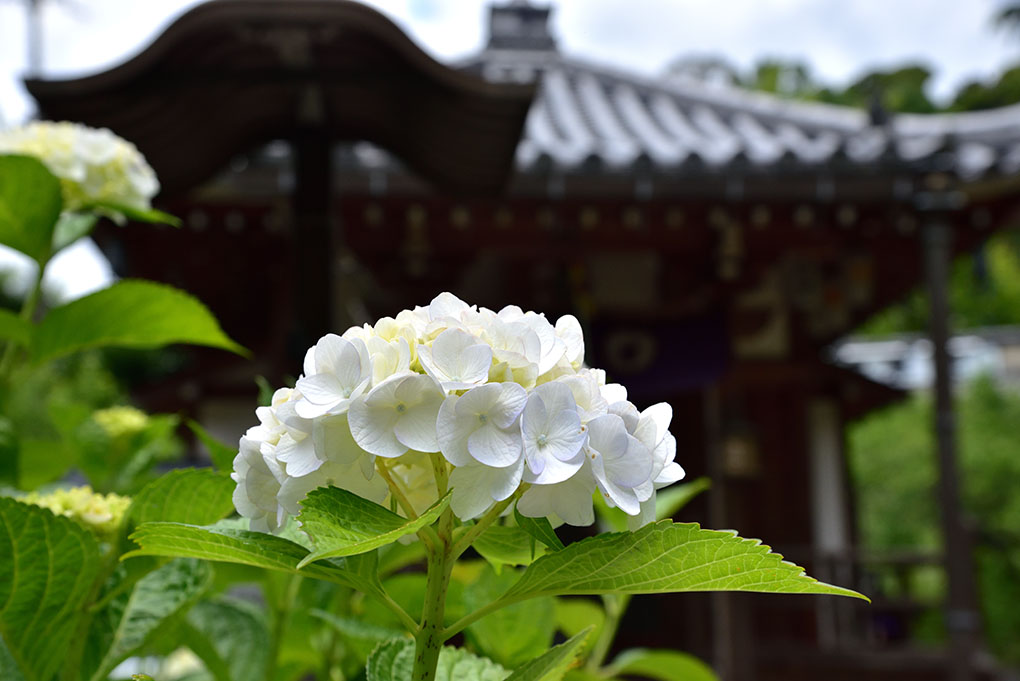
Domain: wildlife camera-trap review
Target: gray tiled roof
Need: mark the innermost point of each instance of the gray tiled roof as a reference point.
(589, 117)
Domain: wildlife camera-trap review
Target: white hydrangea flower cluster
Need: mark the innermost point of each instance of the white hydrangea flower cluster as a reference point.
(92, 164)
(503, 396)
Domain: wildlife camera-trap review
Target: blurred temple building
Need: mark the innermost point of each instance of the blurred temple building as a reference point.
(713, 242)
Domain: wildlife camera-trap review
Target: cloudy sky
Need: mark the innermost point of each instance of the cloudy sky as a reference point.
(839, 39)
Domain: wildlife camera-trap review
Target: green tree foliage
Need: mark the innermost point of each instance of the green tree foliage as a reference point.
(892, 459)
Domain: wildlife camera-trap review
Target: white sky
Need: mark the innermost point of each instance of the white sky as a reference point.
(839, 39)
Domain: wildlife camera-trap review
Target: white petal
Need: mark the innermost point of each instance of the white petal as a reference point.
(471, 496)
(474, 363)
(372, 428)
(416, 427)
(479, 400)
(446, 305)
(334, 442)
(564, 435)
(298, 455)
(321, 390)
(569, 330)
(512, 399)
(495, 447)
(569, 500)
(553, 470)
(670, 474)
(453, 431)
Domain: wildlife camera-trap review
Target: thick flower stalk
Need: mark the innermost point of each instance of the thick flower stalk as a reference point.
(97, 169)
(504, 399)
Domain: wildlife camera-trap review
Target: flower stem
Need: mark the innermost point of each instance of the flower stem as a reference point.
(429, 638)
(27, 311)
(616, 605)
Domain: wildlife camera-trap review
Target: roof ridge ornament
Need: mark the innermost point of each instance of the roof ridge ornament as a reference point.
(521, 26)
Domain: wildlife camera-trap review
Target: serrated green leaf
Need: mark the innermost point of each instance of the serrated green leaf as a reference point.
(14, 329)
(194, 496)
(157, 596)
(662, 665)
(540, 529)
(47, 568)
(356, 628)
(132, 314)
(30, 204)
(665, 557)
(670, 500)
(552, 665)
(71, 227)
(394, 661)
(502, 545)
(222, 455)
(229, 545)
(341, 523)
(512, 635)
(231, 638)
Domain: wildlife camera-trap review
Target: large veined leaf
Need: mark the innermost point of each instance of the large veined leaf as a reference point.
(30, 204)
(662, 665)
(231, 637)
(553, 664)
(258, 549)
(343, 524)
(14, 329)
(156, 597)
(394, 661)
(47, 566)
(196, 496)
(512, 635)
(132, 314)
(665, 557)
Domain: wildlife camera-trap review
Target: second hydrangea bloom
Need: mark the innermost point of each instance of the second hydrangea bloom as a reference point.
(503, 396)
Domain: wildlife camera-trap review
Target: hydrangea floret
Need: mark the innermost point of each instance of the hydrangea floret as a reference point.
(102, 513)
(96, 168)
(503, 396)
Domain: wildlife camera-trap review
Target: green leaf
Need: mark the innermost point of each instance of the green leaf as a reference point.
(394, 661)
(662, 665)
(512, 635)
(71, 227)
(502, 545)
(9, 670)
(574, 615)
(30, 204)
(133, 314)
(540, 529)
(156, 597)
(231, 638)
(14, 329)
(229, 545)
(343, 524)
(359, 636)
(196, 496)
(670, 500)
(552, 665)
(665, 557)
(222, 455)
(47, 568)
(150, 215)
